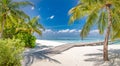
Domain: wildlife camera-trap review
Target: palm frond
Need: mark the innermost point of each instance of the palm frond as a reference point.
(115, 26)
(38, 31)
(102, 22)
(20, 4)
(91, 2)
(23, 29)
(34, 20)
(20, 14)
(12, 19)
(78, 12)
(91, 20)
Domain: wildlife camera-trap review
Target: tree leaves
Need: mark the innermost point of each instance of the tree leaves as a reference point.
(78, 12)
(102, 22)
(98, 16)
(91, 20)
(20, 4)
(10, 10)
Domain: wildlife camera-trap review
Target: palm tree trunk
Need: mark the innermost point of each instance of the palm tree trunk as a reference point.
(105, 49)
(2, 26)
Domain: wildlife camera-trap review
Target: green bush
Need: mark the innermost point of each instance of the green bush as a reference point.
(24, 36)
(9, 32)
(11, 52)
(27, 38)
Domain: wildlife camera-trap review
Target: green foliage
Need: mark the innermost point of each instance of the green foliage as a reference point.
(24, 36)
(31, 26)
(10, 13)
(35, 26)
(24, 32)
(97, 14)
(27, 38)
(9, 32)
(10, 52)
(15, 23)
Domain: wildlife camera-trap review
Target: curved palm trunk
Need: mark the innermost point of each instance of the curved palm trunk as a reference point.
(105, 51)
(2, 26)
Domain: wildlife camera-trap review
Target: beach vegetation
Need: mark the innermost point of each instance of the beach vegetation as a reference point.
(11, 14)
(11, 52)
(105, 14)
(15, 23)
(16, 31)
(27, 38)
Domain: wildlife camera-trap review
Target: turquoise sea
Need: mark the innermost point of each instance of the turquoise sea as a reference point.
(87, 40)
(77, 40)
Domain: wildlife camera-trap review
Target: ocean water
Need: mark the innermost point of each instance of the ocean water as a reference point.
(87, 40)
(77, 40)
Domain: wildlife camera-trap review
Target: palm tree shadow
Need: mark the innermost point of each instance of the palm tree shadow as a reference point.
(114, 58)
(30, 57)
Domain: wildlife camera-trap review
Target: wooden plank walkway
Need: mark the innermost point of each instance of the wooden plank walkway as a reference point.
(62, 48)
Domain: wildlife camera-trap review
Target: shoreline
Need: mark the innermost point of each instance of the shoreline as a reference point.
(48, 43)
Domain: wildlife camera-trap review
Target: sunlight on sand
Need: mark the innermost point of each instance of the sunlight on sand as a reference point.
(77, 56)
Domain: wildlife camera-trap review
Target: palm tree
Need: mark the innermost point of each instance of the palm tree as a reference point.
(10, 12)
(32, 26)
(103, 13)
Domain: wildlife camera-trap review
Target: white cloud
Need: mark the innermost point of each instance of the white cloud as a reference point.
(47, 31)
(73, 30)
(67, 33)
(38, 16)
(79, 30)
(61, 34)
(51, 17)
(32, 8)
(64, 31)
(94, 31)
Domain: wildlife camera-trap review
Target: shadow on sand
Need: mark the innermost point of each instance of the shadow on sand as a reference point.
(33, 55)
(114, 58)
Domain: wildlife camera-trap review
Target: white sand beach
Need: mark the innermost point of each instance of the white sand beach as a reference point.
(48, 43)
(79, 56)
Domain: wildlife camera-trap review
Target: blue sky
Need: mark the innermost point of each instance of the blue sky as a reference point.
(53, 13)
(54, 17)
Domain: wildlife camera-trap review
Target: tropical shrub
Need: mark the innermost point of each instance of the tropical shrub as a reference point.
(27, 38)
(8, 33)
(24, 36)
(10, 52)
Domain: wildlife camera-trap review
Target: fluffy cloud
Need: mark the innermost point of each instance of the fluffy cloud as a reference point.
(48, 31)
(63, 31)
(94, 31)
(67, 34)
(69, 31)
(51, 17)
(32, 8)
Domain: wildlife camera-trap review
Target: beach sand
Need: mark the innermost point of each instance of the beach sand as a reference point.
(79, 56)
(48, 43)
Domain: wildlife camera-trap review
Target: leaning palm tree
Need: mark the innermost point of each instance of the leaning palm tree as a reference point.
(103, 13)
(10, 12)
(35, 26)
(31, 26)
